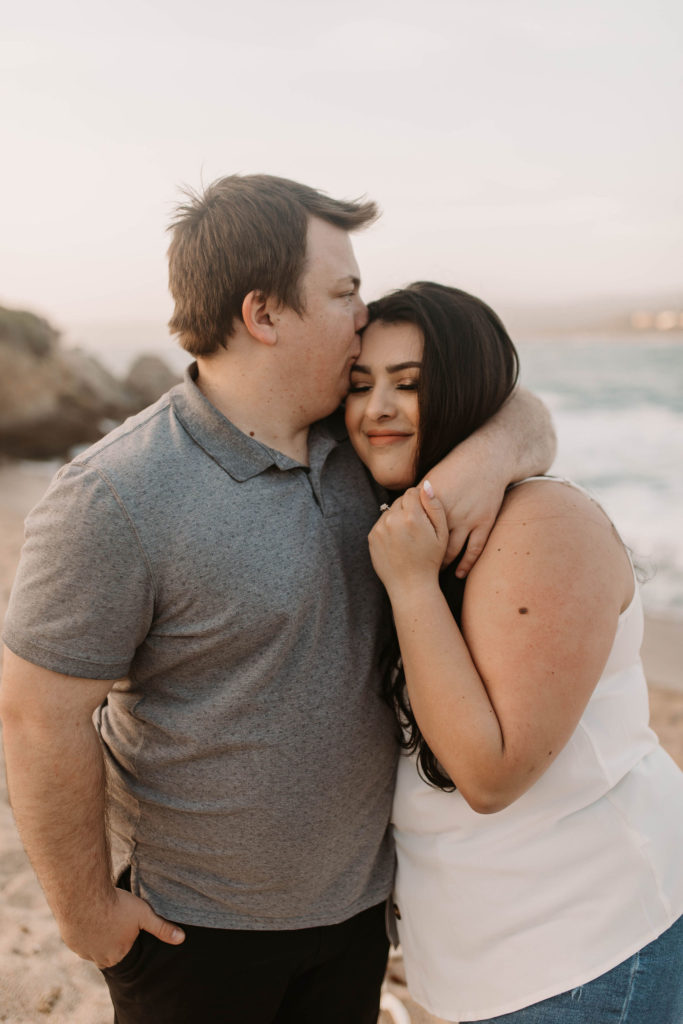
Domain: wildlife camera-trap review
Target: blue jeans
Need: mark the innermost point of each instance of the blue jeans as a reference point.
(645, 989)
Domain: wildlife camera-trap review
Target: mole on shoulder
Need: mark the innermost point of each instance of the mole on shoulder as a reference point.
(523, 611)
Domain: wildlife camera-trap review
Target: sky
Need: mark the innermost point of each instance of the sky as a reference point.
(529, 151)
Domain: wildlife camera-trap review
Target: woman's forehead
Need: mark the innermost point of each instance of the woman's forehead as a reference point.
(384, 344)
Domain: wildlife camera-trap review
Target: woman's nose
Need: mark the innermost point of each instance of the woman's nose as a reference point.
(380, 404)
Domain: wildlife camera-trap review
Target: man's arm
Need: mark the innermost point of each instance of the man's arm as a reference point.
(56, 781)
(517, 442)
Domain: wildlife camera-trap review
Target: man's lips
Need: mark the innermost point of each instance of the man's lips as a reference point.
(379, 440)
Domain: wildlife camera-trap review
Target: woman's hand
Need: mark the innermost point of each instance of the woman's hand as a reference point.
(408, 542)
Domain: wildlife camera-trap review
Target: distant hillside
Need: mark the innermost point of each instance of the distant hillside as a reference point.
(604, 315)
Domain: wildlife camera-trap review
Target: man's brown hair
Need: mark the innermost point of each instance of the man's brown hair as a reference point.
(241, 234)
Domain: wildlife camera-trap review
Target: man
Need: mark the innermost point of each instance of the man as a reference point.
(200, 580)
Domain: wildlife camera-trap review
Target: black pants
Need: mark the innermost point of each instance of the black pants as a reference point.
(324, 975)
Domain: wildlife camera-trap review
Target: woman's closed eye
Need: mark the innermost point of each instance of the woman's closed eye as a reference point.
(361, 387)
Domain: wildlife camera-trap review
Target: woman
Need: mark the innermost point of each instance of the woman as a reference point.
(538, 824)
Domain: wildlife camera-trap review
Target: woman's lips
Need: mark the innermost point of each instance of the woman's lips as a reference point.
(380, 440)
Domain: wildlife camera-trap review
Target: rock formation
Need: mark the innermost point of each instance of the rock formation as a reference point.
(53, 398)
(148, 378)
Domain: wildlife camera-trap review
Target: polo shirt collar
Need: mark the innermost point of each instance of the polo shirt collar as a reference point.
(241, 456)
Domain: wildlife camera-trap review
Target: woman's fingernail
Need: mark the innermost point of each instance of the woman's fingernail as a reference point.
(428, 489)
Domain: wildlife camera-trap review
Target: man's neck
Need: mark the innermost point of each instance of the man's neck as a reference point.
(253, 406)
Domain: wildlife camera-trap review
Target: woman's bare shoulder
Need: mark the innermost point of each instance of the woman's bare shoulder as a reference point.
(542, 497)
(562, 528)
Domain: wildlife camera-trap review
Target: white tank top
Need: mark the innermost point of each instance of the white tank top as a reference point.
(502, 910)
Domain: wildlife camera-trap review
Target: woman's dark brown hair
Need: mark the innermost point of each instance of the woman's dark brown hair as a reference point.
(469, 370)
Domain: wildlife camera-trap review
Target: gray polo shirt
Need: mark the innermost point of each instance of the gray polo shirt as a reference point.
(250, 756)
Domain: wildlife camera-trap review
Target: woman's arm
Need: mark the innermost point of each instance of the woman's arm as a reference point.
(539, 618)
(518, 441)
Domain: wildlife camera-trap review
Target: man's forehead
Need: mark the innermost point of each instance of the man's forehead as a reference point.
(330, 248)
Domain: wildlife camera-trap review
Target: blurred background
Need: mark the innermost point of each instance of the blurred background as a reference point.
(527, 151)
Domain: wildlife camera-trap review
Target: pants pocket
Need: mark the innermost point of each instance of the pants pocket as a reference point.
(129, 960)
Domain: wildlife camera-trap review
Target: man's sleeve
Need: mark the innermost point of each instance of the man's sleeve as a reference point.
(83, 597)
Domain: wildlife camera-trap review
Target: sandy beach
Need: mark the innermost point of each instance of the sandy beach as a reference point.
(40, 979)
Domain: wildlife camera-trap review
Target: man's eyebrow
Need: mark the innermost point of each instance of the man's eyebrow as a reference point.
(355, 281)
(396, 368)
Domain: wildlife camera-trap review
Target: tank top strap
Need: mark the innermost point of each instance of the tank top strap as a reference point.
(556, 480)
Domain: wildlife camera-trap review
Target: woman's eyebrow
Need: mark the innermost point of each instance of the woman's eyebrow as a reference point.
(411, 364)
(394, 368)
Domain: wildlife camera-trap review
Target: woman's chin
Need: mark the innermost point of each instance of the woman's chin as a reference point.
(395, 481)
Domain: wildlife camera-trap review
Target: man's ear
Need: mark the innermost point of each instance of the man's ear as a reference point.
(256, 310)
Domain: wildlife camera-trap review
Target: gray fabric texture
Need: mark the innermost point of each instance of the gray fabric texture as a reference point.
(250, 756)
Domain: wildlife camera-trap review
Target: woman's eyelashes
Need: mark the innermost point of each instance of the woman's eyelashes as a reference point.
(358, 387)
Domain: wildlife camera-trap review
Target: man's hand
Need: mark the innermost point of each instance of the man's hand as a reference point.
(517, 442)
(108, 939)
(471, 515)
(471, 485)
(56, 783)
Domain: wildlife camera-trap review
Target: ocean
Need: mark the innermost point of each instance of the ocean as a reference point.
(617, 404)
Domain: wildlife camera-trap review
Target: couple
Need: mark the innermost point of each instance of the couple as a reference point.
(200, 581)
